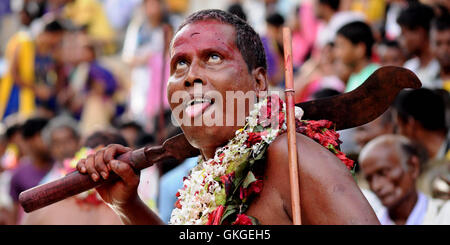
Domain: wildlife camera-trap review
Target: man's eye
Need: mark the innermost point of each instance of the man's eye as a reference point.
(181, 64)
(214, 58)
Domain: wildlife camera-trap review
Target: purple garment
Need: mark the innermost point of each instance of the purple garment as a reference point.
(25, 177)
(272, 62)
(98, 73)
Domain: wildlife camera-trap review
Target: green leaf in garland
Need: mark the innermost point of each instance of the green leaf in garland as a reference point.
(249, 179)
(236, 164)
(254, 220)
(258, 128)
(221, 197)
(231, 209)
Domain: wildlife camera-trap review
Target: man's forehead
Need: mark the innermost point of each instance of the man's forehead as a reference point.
(210, 32)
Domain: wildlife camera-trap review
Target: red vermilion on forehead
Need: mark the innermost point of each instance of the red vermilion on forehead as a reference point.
(204, 35)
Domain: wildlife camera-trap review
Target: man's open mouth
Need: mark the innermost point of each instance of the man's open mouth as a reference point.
(197, 106)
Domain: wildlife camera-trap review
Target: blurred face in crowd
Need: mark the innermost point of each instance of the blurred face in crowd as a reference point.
(346, 52)
(131, 135)
(49, 42)
(64, 144)
(413, 40)
(441, 47)
(204, 56)
(391, 56)
(390, 175)
(321, 10)
(36, 147)
(153, 10)
(369, 131)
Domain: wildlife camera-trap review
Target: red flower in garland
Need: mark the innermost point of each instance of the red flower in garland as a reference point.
(242, 219)
(254, 137)
(215, 217)
(272, 114)
(316, 125)
(227, 180)
(348, 162)
(254, 188)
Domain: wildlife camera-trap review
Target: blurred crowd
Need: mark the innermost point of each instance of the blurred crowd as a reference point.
(76, 75)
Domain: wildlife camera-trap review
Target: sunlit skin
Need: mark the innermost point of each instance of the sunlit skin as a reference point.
(205, 53)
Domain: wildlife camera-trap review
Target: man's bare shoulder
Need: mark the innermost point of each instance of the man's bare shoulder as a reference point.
(311, 155)
(329, 194)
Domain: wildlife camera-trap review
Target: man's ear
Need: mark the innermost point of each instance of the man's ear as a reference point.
(260, 76)
(360, 50)
(414, 167)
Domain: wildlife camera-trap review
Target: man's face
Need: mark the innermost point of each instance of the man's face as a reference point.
(36, 146)
(413, 40)
(387, 178)
(319, 9)
(441, 46)
(391, 56)
(63, 144)
(344, 51)
(205, 63)
(369, 131)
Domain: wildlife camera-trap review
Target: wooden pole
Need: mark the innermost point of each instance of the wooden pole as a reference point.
(292, 144)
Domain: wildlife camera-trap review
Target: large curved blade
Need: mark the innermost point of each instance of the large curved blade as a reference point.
(365, 103)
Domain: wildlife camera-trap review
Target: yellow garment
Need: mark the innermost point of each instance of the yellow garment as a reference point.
(177, 6)
(90, 13)
(372, 9)
(446, 86)
(20, 47)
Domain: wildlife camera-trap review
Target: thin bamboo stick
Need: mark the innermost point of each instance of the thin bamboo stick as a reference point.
(292, 144)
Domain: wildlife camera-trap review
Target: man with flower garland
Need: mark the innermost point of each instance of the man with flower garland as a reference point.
(242, 174)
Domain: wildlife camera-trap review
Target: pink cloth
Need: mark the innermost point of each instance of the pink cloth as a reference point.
(304, 39)
(155, 98)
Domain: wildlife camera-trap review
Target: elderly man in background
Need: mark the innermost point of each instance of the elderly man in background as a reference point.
(391, 165)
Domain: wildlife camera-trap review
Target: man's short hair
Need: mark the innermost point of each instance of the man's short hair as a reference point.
(358, 32)
(247, 40)
(54, 26)
(131, 124)
(104, 138)
(423, 105)
(441, 23)
(59, 122)
(334, 4)
(406, 147)
(390, 44)
(33, 126)
(416, 15)
(275, 19)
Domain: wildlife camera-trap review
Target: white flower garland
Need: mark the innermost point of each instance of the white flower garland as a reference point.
(198, 197)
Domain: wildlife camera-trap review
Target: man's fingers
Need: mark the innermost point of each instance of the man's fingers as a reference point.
(100, 165)
(124, 170)
(81, 166)
(90, 167)
(113, 150)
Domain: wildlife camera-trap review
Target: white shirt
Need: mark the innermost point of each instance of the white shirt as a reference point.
(427, 74)
(417, 214)
(328, 33)
(426, 211)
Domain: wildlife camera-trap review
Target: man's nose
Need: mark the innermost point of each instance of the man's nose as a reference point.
(377, 183)
(195, 75)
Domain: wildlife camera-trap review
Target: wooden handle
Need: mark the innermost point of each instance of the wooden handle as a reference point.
(290, 114)
(176, 148)
(73, 184)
